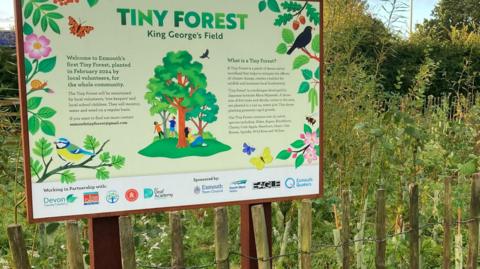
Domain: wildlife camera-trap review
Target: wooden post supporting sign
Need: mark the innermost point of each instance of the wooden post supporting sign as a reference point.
(247, 237)
(104, 238)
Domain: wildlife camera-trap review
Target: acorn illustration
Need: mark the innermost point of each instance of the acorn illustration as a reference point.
(302, 19)
(295, 25)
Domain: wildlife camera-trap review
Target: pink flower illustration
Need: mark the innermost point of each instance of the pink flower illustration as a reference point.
(310, 155)
(311, 139)
(37, 47)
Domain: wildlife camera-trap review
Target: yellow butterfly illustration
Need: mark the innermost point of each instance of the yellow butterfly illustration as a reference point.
(264, 159)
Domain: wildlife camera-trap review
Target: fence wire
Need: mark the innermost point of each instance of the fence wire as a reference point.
(322, 247)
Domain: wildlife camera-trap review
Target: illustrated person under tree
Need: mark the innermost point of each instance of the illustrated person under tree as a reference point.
(172, 125)
(195, 141)
(158, 129)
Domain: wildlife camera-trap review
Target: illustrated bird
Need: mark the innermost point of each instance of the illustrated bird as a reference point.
(70, 152)
(205, 55)
(302, 40)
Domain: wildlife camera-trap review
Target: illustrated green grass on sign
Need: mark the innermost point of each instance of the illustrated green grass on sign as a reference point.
(167, 148)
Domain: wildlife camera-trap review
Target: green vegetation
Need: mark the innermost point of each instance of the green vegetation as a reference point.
(168, 148)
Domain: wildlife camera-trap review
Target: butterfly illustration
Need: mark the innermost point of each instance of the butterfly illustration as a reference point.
(205, 55)
(262, 160)
(77, 29)
(248, 149)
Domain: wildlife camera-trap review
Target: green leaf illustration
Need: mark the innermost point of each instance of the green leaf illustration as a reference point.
(36, 167)
(52, 227)
(307, 128)
(27, 29)
(27, 12)
(48, 7)
(47, 127)
(300, 61)
(28, 67)
(291, 6)
(105, 157)
(298, 144)
(304, 87)
(47, 65)
(43, 148)
(318, 132)
(33, 125)
(68, 177)
(44, 23)
(71, 198)
(284, 155)
(55, 15)
(313, 99)
(283, 19)
(46, 112)
(90, 143)
(262, 5)
(91, 3)
(317, 149)
(299, 161)
(313, 14)
(316, 44)
(36, 17)
(282, 48)
(102, 173)
(317, 73)
(307, 74)
(34, 103)
(273, 6)
(288, 36)
(118, 161)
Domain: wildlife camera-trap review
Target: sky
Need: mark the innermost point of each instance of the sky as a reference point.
(422, 9)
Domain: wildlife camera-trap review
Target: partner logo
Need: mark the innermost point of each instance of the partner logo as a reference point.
(147, 193)
(217, 188)
(59, 201)
(112, 197)
(162, 194)
(131, 195)
(91, 198)
(238, 185)
(261, 185)
(291, 183)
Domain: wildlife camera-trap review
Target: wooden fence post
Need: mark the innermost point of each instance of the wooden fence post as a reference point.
(305, 234)
(473, 227)
(127, 243)
(222, 248)
(447, 223)
(346, 229)
(74, 246)
(176, 231)
(17, 247)
(261, 237)
(414, 228)
(381, 244)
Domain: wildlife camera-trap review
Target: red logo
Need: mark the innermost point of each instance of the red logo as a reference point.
(131, 195)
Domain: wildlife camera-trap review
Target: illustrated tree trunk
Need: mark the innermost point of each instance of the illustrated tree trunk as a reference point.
(164, 117)
(182, 140)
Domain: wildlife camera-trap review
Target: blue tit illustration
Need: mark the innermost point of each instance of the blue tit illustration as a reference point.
(70, 152)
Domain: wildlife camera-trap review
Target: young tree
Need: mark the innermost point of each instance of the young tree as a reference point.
(178, 81)
(201, 116)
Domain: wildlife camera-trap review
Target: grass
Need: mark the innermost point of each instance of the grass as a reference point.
(167, 148)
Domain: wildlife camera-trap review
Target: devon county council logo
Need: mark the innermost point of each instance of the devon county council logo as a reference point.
(91, 198)
(131, 195)
(70, 199)
(112, 197)
(147, 193)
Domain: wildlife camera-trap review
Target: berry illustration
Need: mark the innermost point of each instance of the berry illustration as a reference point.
(296, 25)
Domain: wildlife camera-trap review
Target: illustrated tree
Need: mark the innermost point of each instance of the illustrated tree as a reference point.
(203, 115)
(178, 81)
(159, 105)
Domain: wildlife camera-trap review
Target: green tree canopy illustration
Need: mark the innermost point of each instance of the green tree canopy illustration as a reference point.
(202, 115)
(178, 81)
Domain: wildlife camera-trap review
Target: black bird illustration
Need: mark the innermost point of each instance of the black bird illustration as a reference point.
(302, 40)
(205, 55)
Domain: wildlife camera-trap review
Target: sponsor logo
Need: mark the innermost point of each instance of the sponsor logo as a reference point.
(112, 197)
(161, 194)
(147, 193)
(238, 185)
(91, 198)
(59, 201)
(131, 195)
(291, 183)
(217, 188)
(273, 184)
